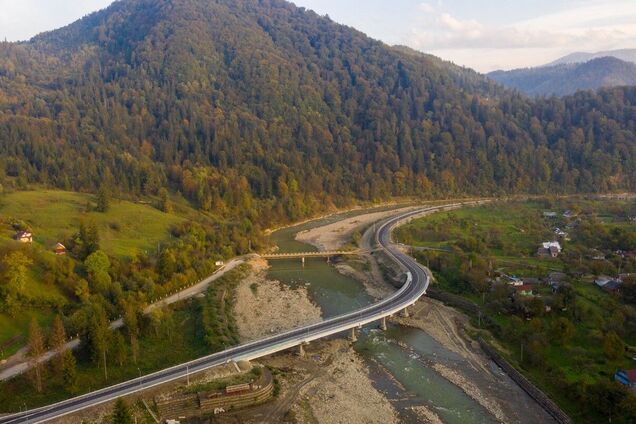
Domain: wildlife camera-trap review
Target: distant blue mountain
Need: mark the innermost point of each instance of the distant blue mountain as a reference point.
(566, 78)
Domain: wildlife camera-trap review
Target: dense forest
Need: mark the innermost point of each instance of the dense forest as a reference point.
(271, 112)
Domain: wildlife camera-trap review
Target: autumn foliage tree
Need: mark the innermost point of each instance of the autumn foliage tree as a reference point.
(36, 349)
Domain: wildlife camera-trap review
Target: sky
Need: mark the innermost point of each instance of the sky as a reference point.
(485, 35)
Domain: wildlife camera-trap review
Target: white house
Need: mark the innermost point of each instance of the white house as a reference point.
(24, 237)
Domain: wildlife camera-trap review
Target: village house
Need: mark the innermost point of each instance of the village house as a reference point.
(597, 255)
(560, 233)
(515, 281)
(569, 214)
(531, 281)
(609, 284)
(549, 214)
(555, 279)
(628, 255)
(59, 249)
(524, 290)
(627, 378)
(24, 237)
(550, 249)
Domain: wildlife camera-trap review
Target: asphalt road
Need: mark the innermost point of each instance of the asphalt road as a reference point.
(415, 286)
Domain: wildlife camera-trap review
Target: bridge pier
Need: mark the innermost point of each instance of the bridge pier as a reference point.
(405, 312)
(353, 337)
(383, 324)
(301, 350)
(303, 260)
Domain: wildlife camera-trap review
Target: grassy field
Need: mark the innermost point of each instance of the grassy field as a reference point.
(513, 231)
(126, 229)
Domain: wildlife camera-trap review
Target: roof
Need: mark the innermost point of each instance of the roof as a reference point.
(612, 285)
(550, 244)
(602, 280)
(60, 246)
(524, 287)
(556, 276)
(631, 374)
(23, 234)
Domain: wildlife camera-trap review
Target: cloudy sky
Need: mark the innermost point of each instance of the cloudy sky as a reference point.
(482, 34)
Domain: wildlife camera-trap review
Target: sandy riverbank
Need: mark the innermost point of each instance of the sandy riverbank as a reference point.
(263, 307)
(334, 236)
(426, 415)
(330, 385)
(478, 377)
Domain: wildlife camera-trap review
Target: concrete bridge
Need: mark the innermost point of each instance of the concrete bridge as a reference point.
(317, 254)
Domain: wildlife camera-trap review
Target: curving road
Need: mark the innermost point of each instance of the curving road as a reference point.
(417, 281)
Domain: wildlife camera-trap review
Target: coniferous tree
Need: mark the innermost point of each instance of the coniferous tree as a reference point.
(99, 333)
(57, 342)
(36, 349)
(103, 199)
(165, 203)
(119, 350)
(121, 413)
(69, 371)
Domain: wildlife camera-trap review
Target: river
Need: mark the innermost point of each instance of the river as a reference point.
(410, 381)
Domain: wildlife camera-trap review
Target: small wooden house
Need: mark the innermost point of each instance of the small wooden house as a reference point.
(59, 249)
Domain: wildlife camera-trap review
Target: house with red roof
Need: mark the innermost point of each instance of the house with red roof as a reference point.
(627, 378)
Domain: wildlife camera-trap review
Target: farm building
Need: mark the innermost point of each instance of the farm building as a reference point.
(24, 237)
(627, 378)
(59, 249)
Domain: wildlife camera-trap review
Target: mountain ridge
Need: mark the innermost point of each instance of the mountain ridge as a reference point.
(267, 112)
(626, 55)
(565, 79)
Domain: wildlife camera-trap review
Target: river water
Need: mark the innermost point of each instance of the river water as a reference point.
(410, 381)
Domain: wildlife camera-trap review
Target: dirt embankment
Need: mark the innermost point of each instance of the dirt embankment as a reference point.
(427, 416)
(479, 378)
(264, 307)
(334, 236)
(334, 387)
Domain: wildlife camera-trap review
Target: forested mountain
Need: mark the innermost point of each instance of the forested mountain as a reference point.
(565, 79)
(269, 111)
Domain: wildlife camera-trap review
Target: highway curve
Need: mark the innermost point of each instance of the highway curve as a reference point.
(417, 281)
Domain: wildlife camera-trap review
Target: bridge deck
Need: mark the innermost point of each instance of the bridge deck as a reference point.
(319, 254)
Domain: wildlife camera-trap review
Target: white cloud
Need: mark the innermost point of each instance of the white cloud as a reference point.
(589, 26)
